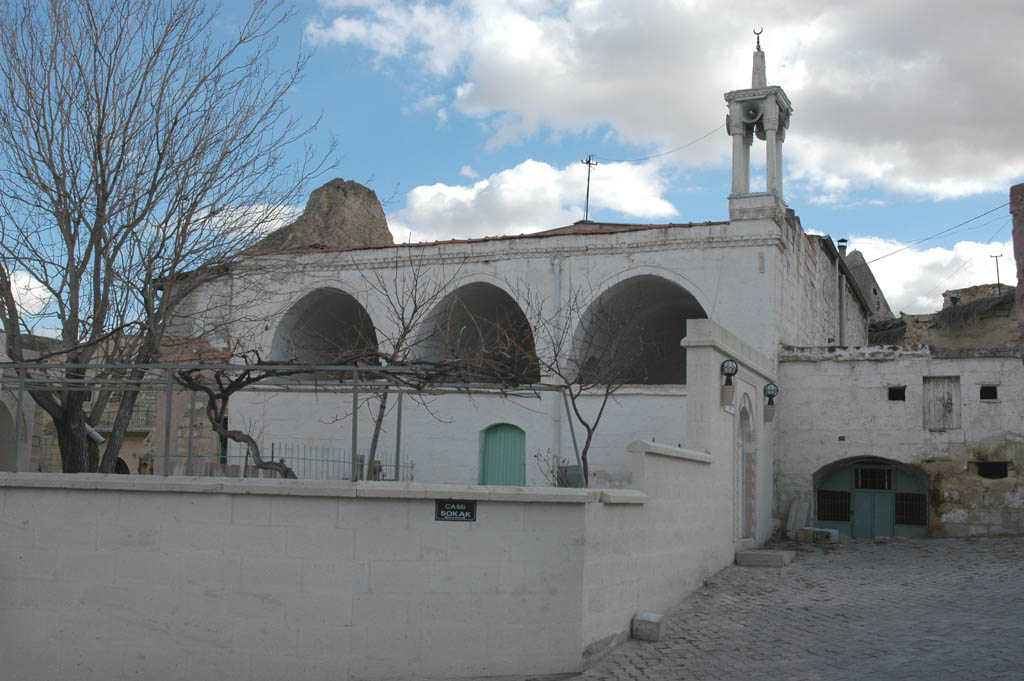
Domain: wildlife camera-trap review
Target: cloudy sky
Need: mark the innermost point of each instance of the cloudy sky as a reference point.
(471, 118)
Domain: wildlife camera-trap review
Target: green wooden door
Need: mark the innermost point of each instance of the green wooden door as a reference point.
(872, 501)
(503, 455)
(872, 513)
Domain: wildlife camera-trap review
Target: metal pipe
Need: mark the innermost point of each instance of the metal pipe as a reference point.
(167, 423)
(355, 419)
(191, 428)
(18, 416)
(398, 437)
(572, 431)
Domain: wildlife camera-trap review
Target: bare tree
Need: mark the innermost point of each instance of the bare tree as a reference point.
(138, 155)
(219, 385)
(589, 349)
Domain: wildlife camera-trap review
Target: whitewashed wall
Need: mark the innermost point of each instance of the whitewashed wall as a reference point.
(765, 282)
(114, 577)
(442, 436)
(107, 577)
(835, 406)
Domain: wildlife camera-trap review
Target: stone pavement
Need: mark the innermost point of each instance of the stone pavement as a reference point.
(938, 609)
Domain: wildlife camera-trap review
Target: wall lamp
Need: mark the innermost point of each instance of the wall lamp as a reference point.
(770, 392)
(728, 369)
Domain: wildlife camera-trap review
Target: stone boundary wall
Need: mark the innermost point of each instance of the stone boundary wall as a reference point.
(119, 577)
(645, 550)
(114, 577)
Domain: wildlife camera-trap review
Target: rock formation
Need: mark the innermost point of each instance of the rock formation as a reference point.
(339, 214)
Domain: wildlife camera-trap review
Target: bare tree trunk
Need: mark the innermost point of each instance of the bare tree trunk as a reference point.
(119, 430)
(73, 442)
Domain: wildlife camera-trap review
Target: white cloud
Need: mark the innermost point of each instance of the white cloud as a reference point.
(914, 279)
(529, 197)
(29, 293)
(914, 97)
(467, 171)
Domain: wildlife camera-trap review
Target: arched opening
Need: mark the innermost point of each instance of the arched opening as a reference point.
(484, 333)
(872, 497)
(746, 472)
(503, 455)
(8, 463)
(326, 326)
(631, 333)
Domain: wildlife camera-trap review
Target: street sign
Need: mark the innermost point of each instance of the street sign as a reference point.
(455, 510)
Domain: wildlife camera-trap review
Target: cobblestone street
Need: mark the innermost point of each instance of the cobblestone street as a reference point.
(905, 609)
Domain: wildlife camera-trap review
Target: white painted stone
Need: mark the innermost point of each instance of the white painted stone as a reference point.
(764, 558)
(648, 626)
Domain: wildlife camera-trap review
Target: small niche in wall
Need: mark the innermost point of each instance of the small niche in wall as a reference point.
(993, 470)
(989, 392)
(898, 393)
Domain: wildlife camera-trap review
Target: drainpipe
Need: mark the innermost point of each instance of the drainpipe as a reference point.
(842, 309)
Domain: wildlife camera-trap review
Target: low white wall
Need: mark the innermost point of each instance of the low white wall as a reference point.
(114, 577)
(646, 550)
(107, 577)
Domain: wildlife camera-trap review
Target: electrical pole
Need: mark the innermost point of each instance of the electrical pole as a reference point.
(999, 285)
(590, 163)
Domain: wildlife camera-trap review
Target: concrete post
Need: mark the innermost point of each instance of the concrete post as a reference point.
(1017, 211)
(740, 165)
(771, 163)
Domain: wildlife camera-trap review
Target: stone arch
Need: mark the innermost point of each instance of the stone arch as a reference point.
(630, 333)
(8, 462)
(690, 286)
(746, 471)
(868, 496)
(325, 326)
(483, 330)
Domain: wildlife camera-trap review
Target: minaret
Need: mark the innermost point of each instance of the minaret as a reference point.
(762, 110)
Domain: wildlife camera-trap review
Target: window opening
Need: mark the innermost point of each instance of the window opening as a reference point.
(833, 506)
(993, 470)
(873, 478)
(898, 393)
(911, 509)
(989, 392)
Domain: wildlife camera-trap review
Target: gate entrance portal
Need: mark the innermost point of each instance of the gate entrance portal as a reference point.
(871, 497)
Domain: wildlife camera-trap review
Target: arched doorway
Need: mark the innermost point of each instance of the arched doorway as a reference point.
(326, 326)
(872, 497)
(746, 472)
(503, 455)
(631, 333)
(483, 332)
(8, 462)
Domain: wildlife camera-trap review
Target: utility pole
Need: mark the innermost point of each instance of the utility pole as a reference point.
(590, 163)
(999, 285)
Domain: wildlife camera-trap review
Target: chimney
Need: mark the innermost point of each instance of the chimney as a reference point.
(842, 247)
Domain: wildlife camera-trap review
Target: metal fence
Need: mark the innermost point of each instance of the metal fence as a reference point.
(310, 462)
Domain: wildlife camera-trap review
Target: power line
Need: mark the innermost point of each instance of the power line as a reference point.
(967, 262)
(664, 153)
(938, 234)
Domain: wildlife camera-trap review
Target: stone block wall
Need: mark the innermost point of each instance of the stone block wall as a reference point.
(835, 406)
